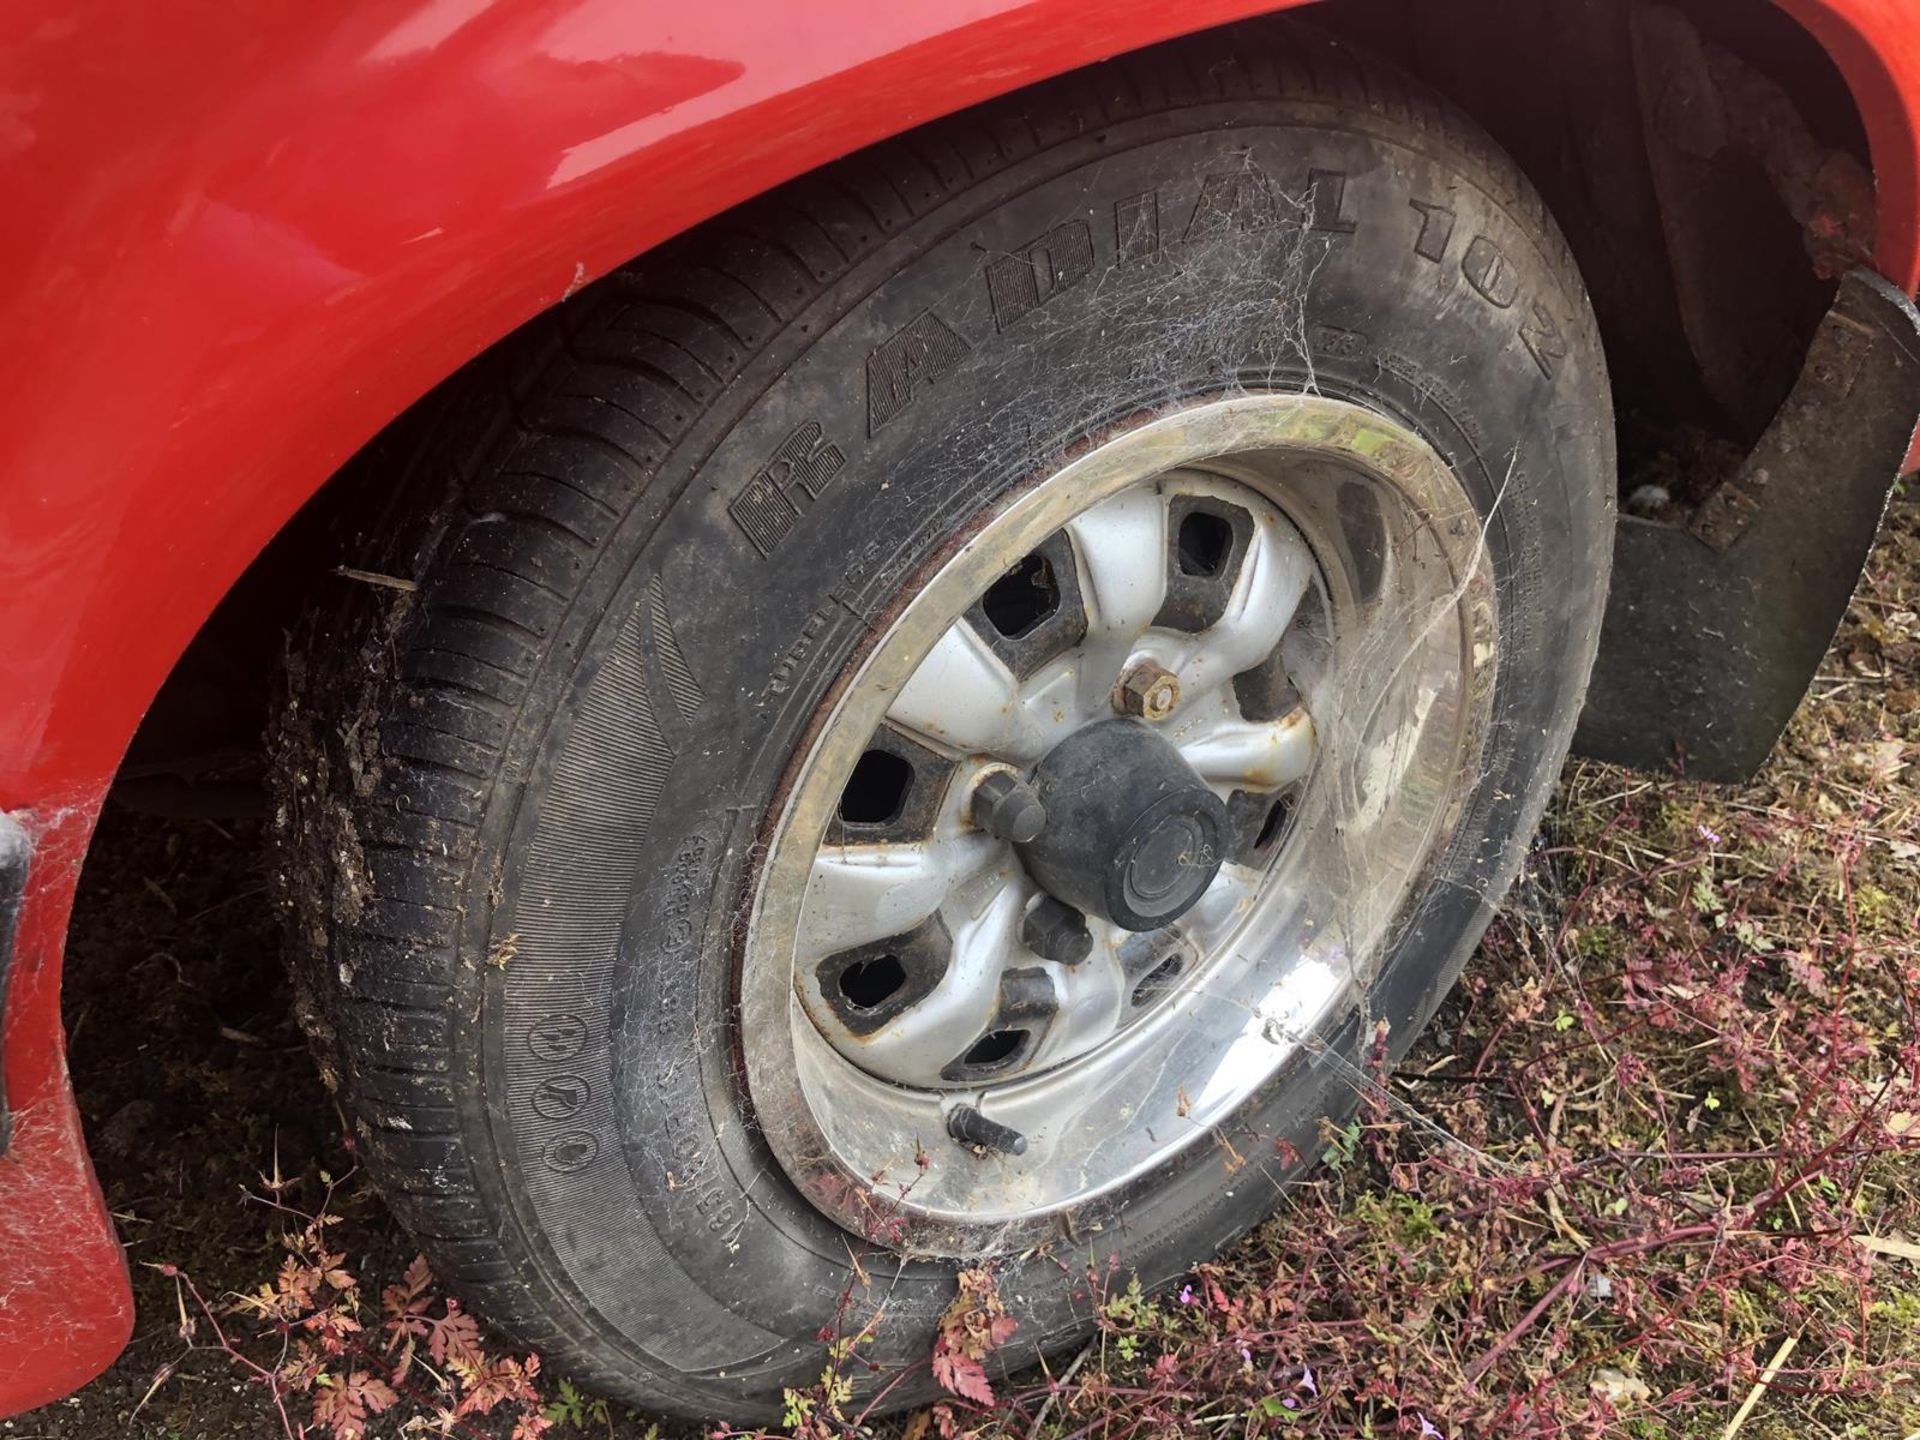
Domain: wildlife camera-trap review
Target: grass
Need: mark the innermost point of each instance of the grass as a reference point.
(1677, 1091)
(1654, 1172)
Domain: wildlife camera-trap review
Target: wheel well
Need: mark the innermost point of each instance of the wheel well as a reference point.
(1675, 145)
(1705, 158)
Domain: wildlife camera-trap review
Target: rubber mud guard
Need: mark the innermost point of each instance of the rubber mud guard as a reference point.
(1714, 629)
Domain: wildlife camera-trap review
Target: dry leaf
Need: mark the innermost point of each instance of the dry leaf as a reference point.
(1888, 1245)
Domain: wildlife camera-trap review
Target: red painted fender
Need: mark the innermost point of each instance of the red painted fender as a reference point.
(236, 245)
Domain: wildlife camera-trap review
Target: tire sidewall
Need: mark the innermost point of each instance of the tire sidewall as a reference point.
(1295, 248)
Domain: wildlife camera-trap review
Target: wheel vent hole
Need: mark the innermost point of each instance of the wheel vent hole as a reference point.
(1205, 542)
(995, 1048)
(870, 983)
(1157, 981)
(1275, 822)
(1019, 601)
(876, 792)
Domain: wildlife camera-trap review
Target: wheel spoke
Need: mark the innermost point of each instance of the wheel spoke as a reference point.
(962, 694)
(914, 1046)
(1093, 995)
(1226, 900)
(861, 893)
(1252, 754)
(965, 697)
(1122, 548)
(1272, 580)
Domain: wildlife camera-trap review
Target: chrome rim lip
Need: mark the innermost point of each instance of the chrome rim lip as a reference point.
(874, 1156)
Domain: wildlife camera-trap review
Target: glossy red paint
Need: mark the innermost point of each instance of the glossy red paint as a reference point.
(65, 1308)
(238, 245)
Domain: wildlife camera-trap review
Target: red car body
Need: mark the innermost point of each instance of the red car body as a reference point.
(236, 244)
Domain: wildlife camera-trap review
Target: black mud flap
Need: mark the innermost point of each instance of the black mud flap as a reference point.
(1714, 629)
(14, 848)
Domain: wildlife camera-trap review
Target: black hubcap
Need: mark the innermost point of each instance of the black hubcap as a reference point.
(1132, 833)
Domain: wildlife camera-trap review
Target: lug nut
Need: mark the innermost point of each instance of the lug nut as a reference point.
(1057, 932)
(970, 1127)
(1148, 690)
(1005, 805)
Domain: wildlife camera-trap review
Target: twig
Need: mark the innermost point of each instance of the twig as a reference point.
(373, 577)
(1760, 1385)
(1053, 1391)
(1611, 1251)
(1484, 1363)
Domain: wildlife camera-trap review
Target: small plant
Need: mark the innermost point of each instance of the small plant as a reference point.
(975, 1325)
(573, 1409)
(1343, 1145)
(312, 1342)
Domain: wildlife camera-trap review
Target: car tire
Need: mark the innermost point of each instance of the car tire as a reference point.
(544, 743)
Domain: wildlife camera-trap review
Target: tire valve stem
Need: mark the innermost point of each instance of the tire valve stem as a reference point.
(970, 1127)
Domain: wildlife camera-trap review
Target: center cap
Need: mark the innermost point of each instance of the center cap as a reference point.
(1132, 834)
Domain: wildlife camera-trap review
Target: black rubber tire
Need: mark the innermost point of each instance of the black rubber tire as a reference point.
(521, 792)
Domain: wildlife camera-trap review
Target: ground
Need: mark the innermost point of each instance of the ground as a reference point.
(1655, 1172)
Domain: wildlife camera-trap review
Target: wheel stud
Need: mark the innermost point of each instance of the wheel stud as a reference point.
(970, 1127)
(1005, 805)
(1057, 932)
(1148, 690)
